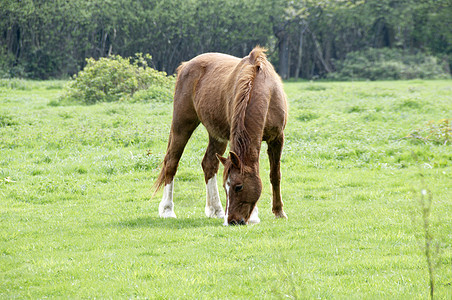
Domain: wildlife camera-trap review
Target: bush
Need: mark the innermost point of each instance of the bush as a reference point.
(437, 132)
(119, 79)
(388, 64)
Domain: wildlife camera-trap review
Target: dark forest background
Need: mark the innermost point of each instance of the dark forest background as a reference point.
(306, 39)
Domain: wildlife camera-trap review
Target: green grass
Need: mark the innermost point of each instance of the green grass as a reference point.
(76, 219)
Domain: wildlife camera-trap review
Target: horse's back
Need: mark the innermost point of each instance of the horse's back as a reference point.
(206, 73)
(206, 63)
(208, 82)
(277, 111)
(200, 84)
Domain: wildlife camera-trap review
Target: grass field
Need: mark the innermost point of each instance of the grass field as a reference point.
(76, 219)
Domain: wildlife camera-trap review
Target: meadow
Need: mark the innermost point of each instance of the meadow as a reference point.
(77, 219)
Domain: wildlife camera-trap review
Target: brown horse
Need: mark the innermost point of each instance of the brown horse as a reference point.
(240, 101)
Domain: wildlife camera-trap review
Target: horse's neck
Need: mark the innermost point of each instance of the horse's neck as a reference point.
(254, 124)
(250, 157)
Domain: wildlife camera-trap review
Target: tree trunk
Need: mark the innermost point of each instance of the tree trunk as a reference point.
(283, 54)
(110, 49)
(319, 53)
(300, 54)
(328, 50)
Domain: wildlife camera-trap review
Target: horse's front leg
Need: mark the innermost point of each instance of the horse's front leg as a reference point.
(274, 154)
(179, 136)
(210, 163)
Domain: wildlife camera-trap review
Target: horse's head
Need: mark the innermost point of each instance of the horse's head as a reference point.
(243, 188)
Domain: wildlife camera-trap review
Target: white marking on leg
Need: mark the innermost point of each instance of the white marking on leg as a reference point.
(214, 209)
(166, 206)
(228, 186)
(254, 218)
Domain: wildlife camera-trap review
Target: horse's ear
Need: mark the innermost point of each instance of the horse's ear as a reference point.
(221, 159)
(235, 160)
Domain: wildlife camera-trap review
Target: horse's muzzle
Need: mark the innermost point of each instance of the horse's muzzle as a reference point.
(234, 222)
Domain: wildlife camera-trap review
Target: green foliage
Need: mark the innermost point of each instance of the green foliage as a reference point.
(119, 79)
(52, 39)
(7, 66)
(323, 31)
(388, 64)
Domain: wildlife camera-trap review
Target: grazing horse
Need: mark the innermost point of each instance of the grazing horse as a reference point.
(240, 101)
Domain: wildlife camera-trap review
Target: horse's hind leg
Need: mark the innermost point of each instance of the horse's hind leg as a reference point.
(210, 167)
(274, 154)
(182, 127)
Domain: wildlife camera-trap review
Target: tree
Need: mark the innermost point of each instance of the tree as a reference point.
(42, 39)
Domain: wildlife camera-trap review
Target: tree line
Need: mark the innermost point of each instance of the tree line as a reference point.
(305, 38)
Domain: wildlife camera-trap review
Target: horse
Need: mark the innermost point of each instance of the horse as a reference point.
(240, 101)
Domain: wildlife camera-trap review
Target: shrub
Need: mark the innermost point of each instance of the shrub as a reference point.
(437, 132)
(388, 64)
(116, 78)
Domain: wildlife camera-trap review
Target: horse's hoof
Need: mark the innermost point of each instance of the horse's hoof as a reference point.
(167, 214)
(166, 211)
(214, 213)
(280, 215)
(254, 218)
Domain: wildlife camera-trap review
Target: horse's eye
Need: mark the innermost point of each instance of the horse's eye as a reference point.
(238, 188)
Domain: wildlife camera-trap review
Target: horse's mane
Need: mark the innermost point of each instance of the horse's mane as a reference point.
(256, 62)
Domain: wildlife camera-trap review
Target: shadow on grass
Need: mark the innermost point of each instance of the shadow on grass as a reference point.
(183, 223)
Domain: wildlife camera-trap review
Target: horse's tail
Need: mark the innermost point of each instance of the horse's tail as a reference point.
(257, 57)
(162, 175)
(160, 181)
